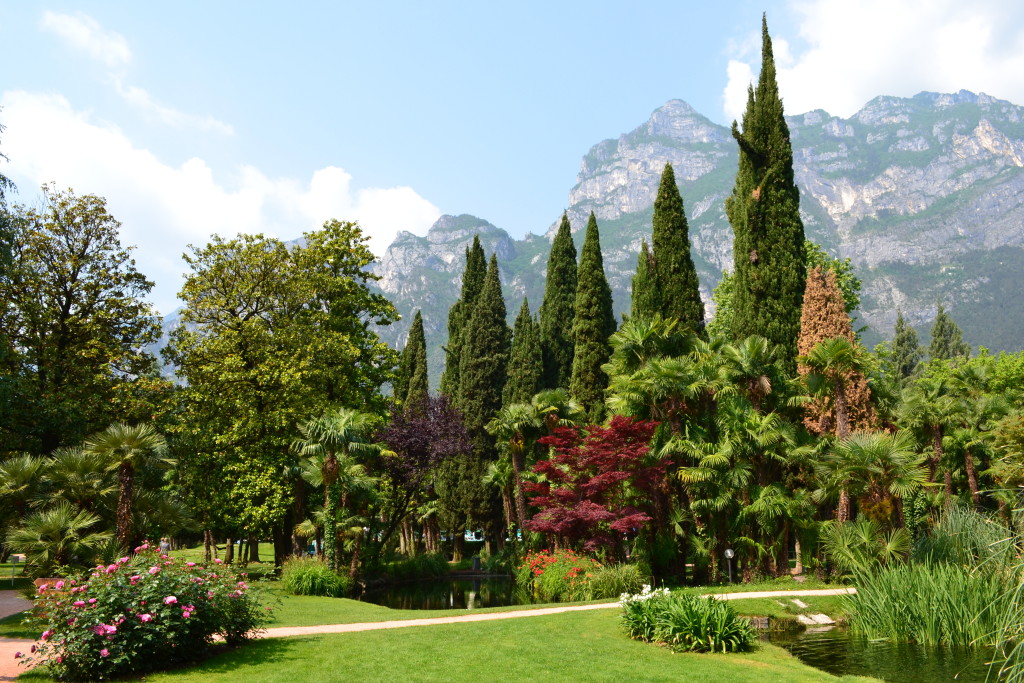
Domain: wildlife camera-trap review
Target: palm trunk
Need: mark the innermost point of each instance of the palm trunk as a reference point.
(126, 481)
(517, 469)
(357, 545)
(842, 412)
(843, 511)
(331, 527)
(972, 477)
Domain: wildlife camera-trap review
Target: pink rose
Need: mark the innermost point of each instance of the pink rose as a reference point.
(134, 579)
(145, 618)
(43, 588)
(92, 601)
(79, 603)
(18, 655)
(190, 564)
(185, 614)
(217, 560)
(111, 569)
(154, 570)
(58, 585)
(46, 635)
(104, 652)
(170, 600)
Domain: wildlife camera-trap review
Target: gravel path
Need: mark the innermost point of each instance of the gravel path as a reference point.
(12, 604)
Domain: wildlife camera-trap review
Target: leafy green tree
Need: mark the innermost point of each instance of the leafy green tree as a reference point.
(947, 338)
(720, 326)
(764, 211)
(411, 381)
(516, 426)
(678, 290)
(128, 449)
(644, 301)
(906, 352)
(458, 316)
(594, 323)
(271, 335)
(526, 362)
(830, 364)
(73, 312)
(556, 311)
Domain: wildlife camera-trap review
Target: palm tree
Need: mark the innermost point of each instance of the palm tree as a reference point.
(127, 449)
(19, 481)
(556, 409)
(878, 468)
(57, 537)
(333, 438)
(517, 425)
(80, 477)
(929, 407)
(751, 365)
(831, 362)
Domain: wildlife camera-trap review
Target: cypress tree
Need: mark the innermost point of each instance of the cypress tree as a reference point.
(411, 383)
(484, 363)
(525, 363)
(676, 278)
(593, 323)
(645, 301)
(947, 338)
(458, 316)
(764, 211)
(556, 311)
(906, 351)
(824, 317)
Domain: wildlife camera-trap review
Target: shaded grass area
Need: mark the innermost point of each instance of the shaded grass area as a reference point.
(12, 627)
(573, 646)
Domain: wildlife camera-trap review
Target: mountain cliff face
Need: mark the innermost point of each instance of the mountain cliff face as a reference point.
(924, 194)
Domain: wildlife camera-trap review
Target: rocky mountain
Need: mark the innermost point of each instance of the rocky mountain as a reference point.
(924, 194)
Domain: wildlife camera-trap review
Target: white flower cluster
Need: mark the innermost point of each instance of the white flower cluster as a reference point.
(645, 594)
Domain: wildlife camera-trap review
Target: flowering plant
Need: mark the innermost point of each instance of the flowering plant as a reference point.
(558, 575)
(143, 612)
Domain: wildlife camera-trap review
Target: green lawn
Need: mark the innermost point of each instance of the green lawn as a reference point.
(575, 646)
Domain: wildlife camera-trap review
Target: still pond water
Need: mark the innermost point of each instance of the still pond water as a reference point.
(834, 651)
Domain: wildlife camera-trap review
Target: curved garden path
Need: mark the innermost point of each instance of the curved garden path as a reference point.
(12, 604)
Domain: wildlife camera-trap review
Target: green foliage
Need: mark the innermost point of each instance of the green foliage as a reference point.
(141, 613)
(526, 362)
(678, 290)
(861, 546)
(764, 211)
(425, 566)
(593, 324)
(906, 351)
(947, 338)
(931, 604)
(644, 303)
(58, 537)
(686, 623)
(849, 283)
(613, 580)
(271, 335)
(557, 309)
(312, 576)
(74, 316)
(966, 538)
(458, 316)
(720, 326)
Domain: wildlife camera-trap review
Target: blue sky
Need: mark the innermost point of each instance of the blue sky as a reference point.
(224, 117)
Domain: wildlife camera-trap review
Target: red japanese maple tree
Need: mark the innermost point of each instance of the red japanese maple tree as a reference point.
(597, 484)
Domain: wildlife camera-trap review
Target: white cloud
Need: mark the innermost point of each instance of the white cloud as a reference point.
(735, 96)
(142, 100)
(858, 49)
(85, 33)
(163, 208)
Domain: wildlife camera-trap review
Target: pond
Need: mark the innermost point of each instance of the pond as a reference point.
(461, 593)
(841, 654)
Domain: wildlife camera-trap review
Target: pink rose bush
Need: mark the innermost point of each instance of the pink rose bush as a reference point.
(127, 619)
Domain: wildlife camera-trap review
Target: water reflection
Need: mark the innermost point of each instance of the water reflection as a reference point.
(446, 594)
(841, 654)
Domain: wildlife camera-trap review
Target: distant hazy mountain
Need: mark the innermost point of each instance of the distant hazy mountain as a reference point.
(925, 195)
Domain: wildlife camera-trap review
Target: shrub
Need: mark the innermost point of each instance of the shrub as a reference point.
(312, 576)
(140, 613)
(686, 623)
(426, 566)
(568, 576)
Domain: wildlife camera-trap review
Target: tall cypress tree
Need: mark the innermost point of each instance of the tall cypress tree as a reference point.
(525, 363)
(678, 288)
(458, 316)
(557, 309)
(593, 323)
(947, 338)
(645, 301)
(764, 211)
(484, 365)
(906, 351)
(411, 383)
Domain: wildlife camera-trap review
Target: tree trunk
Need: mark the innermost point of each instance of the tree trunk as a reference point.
(207, 542)
(254, 549)
(947, 480)
(357, 546)
(126, 481)
(972, 478)
(298, 544)
(517, 468)
(782, 552)
(933, 464)
(842, 412)
(843, 510)
(331, 527)
(229, 550)
(799, 569)
(459, 538)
